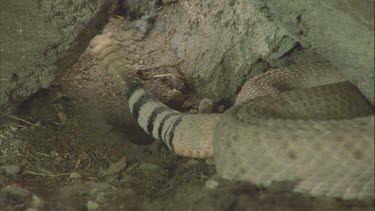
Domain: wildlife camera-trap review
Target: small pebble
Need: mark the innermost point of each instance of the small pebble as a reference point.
(11, 169)
(221, 109)
(211, 184)
(37, 202)
(62, 117)
(142, 25)
(168, 1)
(149, 167)
(115, 168)
(193, 111)
(176, 96)
(14, 129)
(192, 162)
(177, 83)
(54, 153)
(68, 156)
(91, 205)
(15, 191)
(32, 209)
(210, 161)
(75, 175)
(206, 106)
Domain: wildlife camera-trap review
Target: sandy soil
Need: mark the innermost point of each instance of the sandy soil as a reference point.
(85, 151)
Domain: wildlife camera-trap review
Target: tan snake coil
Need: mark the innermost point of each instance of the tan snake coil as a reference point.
(304, 127)
(317, 140)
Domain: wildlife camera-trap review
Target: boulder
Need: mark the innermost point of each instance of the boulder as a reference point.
(40, 39)
(341, 31)
(224, 42)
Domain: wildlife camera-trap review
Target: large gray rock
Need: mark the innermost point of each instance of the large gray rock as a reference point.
(222, 43)
(39, 39)
(340, 30)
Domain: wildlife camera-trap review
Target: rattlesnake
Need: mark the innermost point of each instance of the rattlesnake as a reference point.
(305, 127)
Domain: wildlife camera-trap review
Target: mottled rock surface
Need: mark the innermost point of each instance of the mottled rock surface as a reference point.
(39, 39)
(223, 43)
(341, 31)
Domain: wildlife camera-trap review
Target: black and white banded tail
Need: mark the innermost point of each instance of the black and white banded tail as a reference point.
(185, 134)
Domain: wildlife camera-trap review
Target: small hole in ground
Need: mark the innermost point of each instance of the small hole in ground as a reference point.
(15, 77)
(299, 18)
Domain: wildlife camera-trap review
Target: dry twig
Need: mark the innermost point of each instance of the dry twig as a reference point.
(47, 175)
(19, 119)
(162, 75)
(13, 125)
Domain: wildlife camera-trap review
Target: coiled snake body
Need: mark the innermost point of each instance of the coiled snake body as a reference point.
(305, 127)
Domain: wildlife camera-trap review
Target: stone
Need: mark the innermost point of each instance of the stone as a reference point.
(222, 43)
(206, 106)
(341, 31)
(177, 83)
(75, 175)
(211, 184)
(192, 162)
(39, 39)
(32, 209)
(150, 167)
(143, 26)
(116, 167)
(193, 111)
(37, 202)
(91, 205)
(11, 169)
(14, 129)
(176, 97)
(15, 191)
(221, 109)
(210, 161)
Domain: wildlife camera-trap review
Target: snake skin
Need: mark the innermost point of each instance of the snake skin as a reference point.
(304, 128)
(318, 140)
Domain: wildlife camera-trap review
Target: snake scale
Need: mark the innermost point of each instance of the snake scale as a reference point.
(305, 128)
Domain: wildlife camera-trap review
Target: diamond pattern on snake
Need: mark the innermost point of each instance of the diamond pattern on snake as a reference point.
(305, 126)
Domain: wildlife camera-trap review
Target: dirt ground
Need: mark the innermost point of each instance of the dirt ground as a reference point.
(81, 150)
